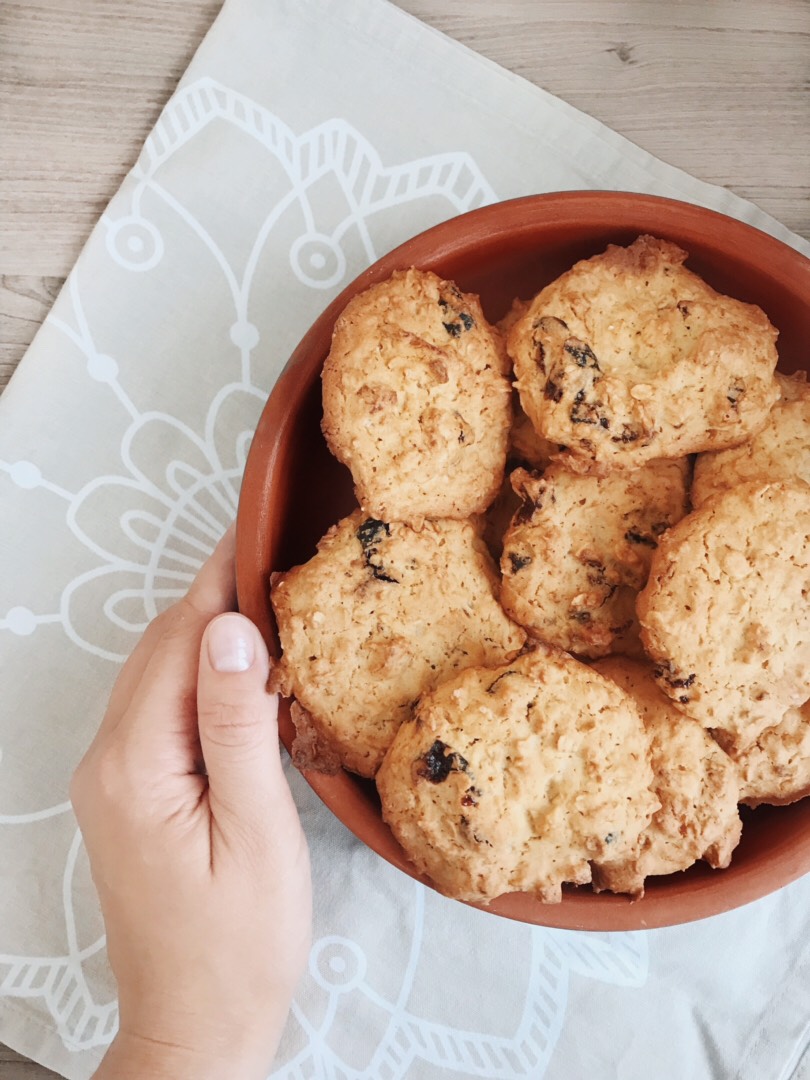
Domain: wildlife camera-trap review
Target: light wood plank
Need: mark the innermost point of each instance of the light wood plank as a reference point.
(720, 89)
(24, 303)
(15, 1067)
(81, 84)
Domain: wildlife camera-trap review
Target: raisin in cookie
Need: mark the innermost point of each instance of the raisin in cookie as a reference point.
(518, 778)
(725, 615)
(629, 356)
(527, 448)
(380, 614)
(695, 781)
(416, 400)
(775, 769)
(579, 549)
(781, 451)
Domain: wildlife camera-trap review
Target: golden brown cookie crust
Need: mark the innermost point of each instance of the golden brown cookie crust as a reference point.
(724, 614)
(695, 781)
(380, 614)
(579, 549)
(525, 445)
(517, 309)
(526, 448)
(775, 769)
(416, 401)
(518, 778)
(780, 451)
(629, 356)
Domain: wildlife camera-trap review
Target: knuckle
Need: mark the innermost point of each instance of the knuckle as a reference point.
(177, 620)
(102, 778)
(110, 775)
(161, 622)
(230, 724)
(78, 786)
(88, 783)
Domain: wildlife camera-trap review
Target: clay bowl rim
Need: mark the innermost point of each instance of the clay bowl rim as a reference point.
(676, 899)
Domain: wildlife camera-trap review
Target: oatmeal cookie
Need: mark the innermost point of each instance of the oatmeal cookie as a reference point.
(781, 451)
(526, 448)
(629, 356)
(696, 783)
(775, 769)
(519, 778)
(494, 523)
(416, 401)
(579, 549)
(725, 615)
(525, 445)
(517, 310)
(380, 614)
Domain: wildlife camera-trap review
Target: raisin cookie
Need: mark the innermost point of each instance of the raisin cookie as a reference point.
(695, 781)
(380, 614)
(416, 400)
(776, 768)
(518, 778)
(781, 451)
(526, 446)
(629, 356)
(579, 549)
(725, 615)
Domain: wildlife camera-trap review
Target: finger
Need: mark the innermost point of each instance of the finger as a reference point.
(238, 727)
(212, 591)
(214, 588)
(160, 712)
(132, 672)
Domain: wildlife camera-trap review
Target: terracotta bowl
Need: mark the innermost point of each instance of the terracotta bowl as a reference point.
(293, 489)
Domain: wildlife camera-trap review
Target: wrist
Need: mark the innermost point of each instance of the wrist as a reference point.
(138, 1057)
(162, 1035)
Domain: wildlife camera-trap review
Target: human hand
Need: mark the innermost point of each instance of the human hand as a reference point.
(203, 879)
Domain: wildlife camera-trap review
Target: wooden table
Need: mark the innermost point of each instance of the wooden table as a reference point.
(721, 90)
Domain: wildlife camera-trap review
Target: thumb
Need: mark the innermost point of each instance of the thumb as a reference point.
(237, 721)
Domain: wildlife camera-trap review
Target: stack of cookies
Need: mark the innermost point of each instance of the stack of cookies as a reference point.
(593, 710)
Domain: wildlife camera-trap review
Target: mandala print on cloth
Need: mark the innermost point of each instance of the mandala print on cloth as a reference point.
(146, 526)
(405, 1040)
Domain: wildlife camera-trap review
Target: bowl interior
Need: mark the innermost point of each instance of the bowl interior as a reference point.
(293, 489)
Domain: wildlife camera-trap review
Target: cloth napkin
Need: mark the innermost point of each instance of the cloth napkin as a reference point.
(306, 139)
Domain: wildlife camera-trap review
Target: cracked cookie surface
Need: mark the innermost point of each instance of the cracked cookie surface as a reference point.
(416, 401)
(578, 550)
(518, 778)
(526, 446)
(775, 769)
(780, 451)
(725, 612)
(695, 781)
(380, 614)
(629, 356)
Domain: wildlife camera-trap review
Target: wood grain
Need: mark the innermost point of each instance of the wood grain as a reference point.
(15, 1067)
(81, 84)
(719, 89)
(24, 303)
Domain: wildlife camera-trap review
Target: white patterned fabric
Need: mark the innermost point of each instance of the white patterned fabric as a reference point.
(306, 139)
